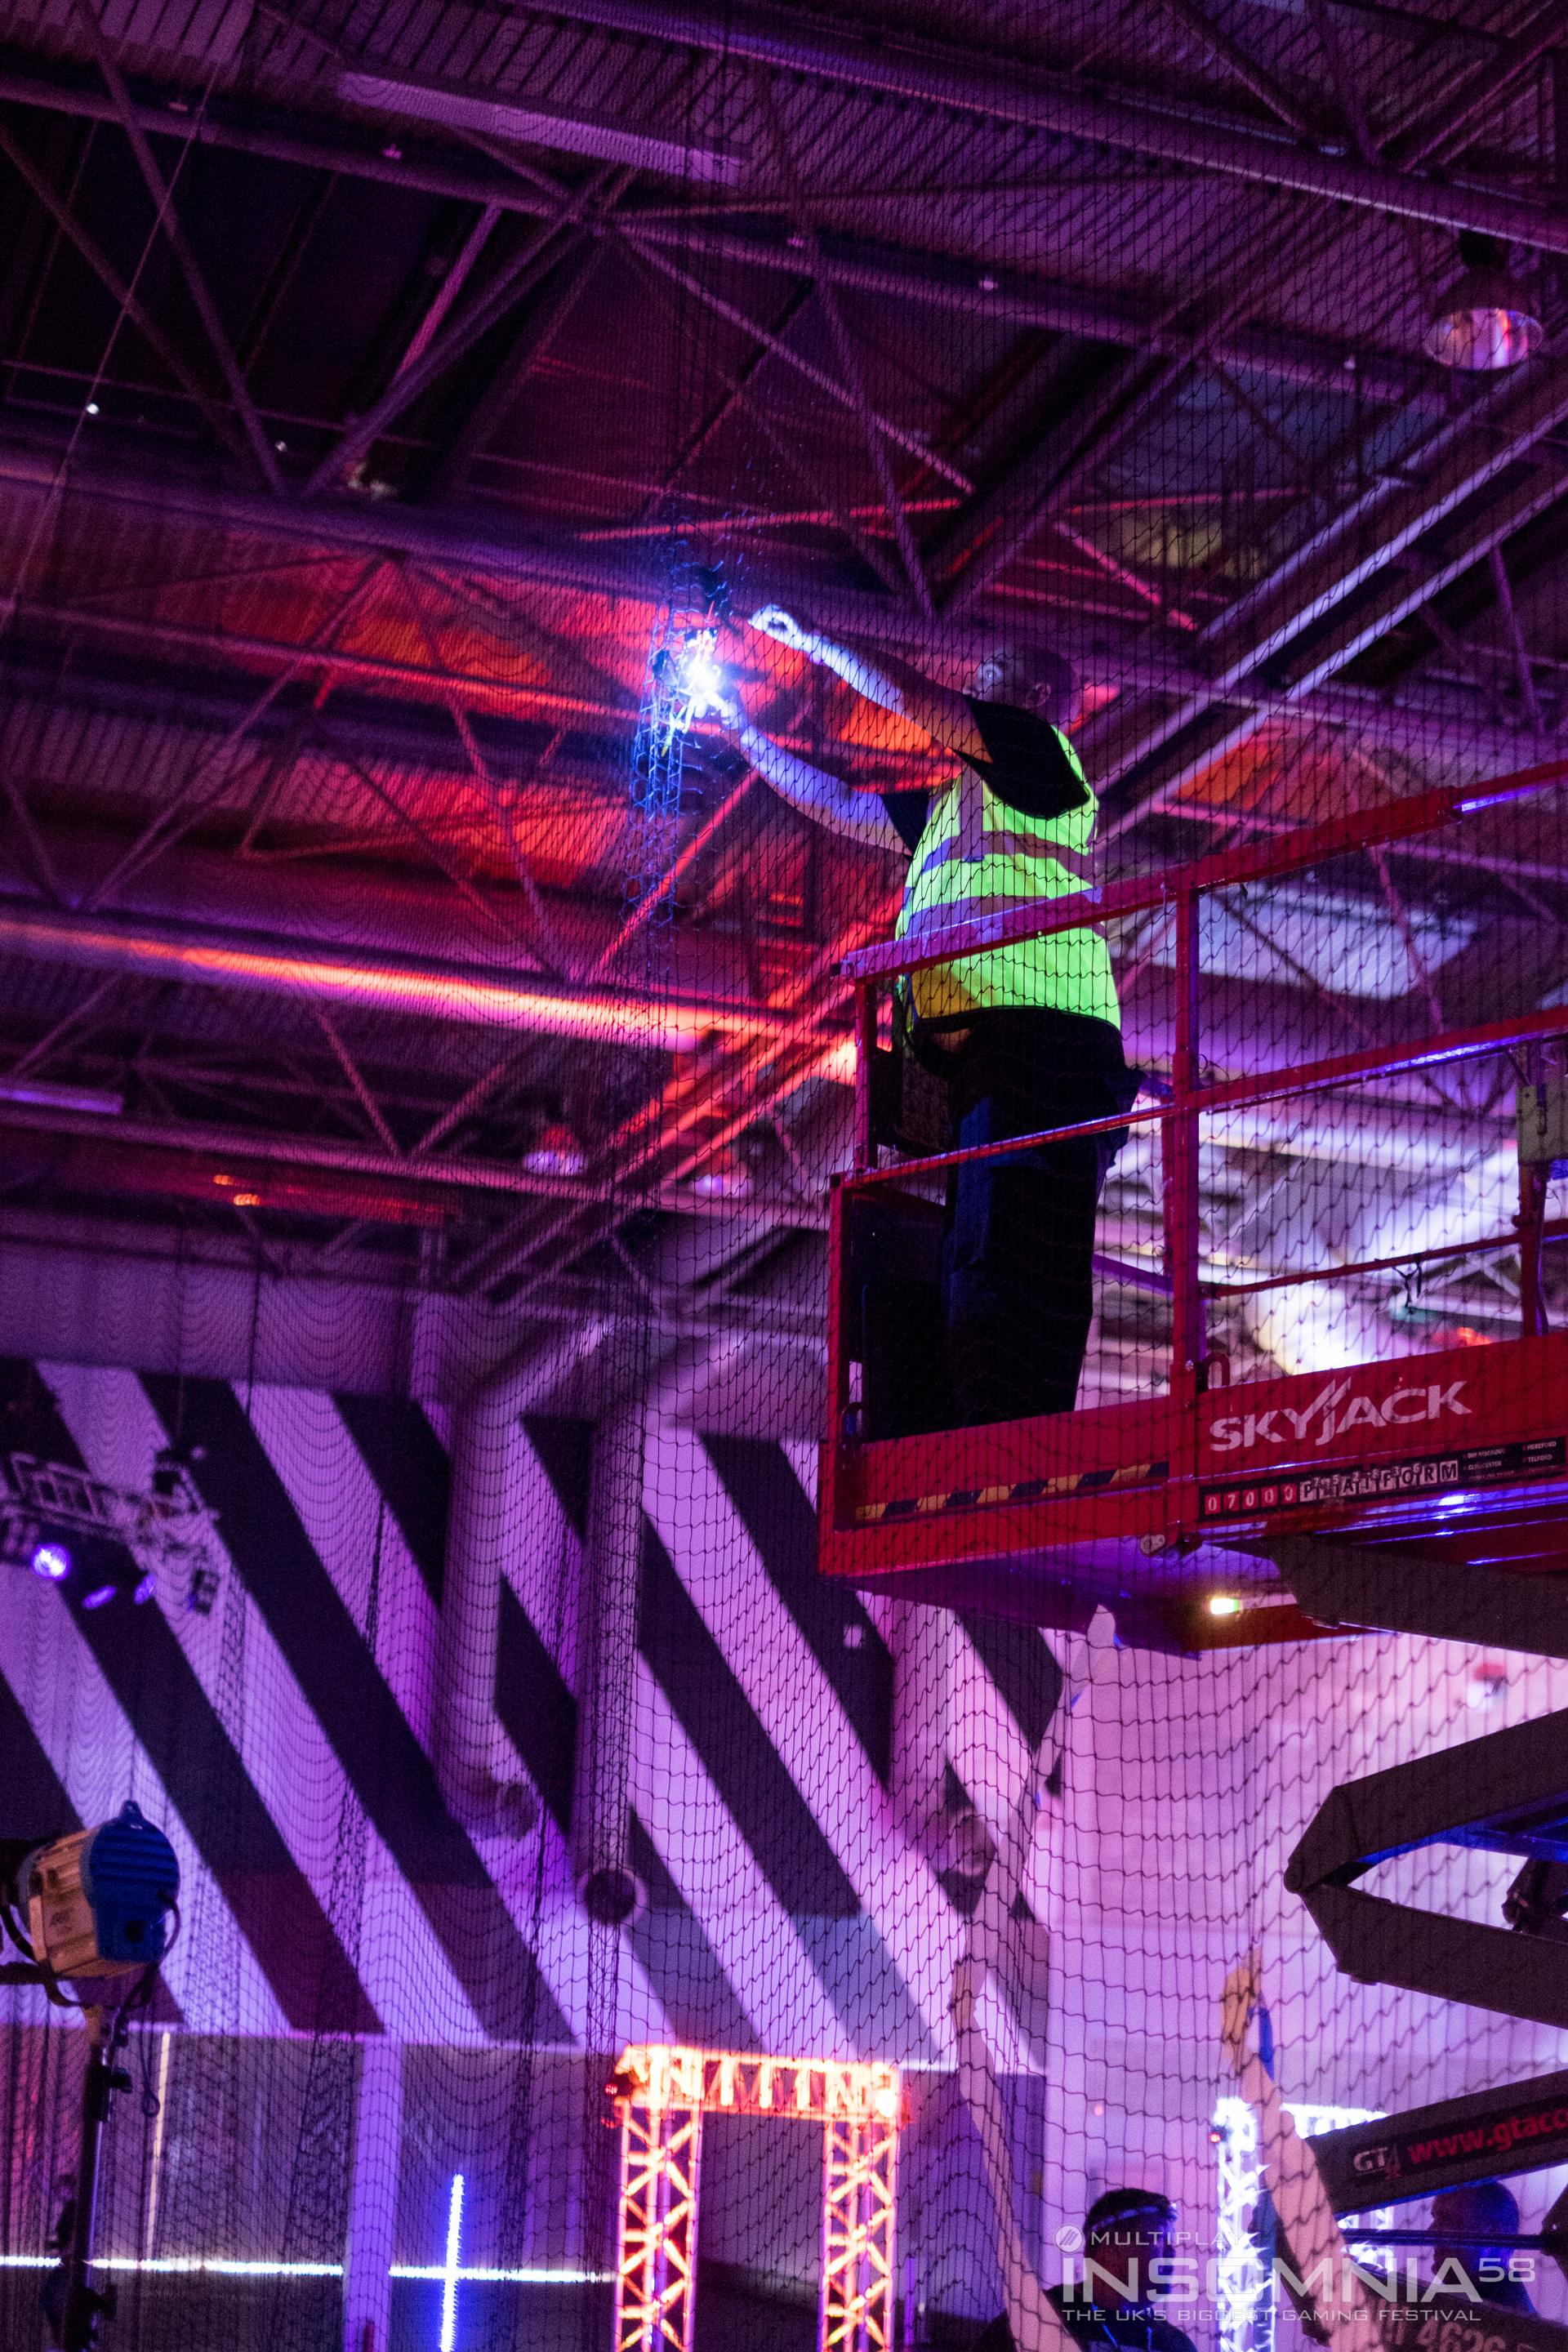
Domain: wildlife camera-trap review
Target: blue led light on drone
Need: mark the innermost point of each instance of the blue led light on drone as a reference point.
(688, 683)
(704, 680)
(51, 1560)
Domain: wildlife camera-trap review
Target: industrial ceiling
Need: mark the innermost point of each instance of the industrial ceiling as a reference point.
(358, 366)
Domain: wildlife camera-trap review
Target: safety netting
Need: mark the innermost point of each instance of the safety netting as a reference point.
(692, 1542)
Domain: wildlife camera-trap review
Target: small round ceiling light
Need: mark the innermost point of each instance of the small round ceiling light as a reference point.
(1486, 319)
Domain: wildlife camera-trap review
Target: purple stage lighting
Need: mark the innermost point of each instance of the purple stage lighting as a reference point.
(51, 1560)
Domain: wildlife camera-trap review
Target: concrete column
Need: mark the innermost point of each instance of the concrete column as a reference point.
(473, 1760)
(921, 1640)
(1074, 2138)
(373, 2199)
(607, 1667)
(487, 1520)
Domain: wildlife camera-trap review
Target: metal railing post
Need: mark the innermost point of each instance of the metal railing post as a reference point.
(1180, 1155)
(865, 1049)
(1532, 1216)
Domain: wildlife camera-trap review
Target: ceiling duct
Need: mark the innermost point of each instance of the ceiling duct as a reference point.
(539, 126)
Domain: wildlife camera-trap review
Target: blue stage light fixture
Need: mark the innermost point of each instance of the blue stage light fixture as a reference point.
(51, 1560)
(96, 1599)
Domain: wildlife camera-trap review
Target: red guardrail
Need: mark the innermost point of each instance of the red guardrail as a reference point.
(871, 969)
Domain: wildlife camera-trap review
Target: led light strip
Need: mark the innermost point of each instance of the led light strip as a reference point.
(1245, 2294)
(185, 2264)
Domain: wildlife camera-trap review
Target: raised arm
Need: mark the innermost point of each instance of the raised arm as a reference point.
(890, 683)
(1290, 2173)
(859, 816)
(1033, 2320)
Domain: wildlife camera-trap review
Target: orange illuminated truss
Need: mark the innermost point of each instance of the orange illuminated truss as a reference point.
(663, 2093)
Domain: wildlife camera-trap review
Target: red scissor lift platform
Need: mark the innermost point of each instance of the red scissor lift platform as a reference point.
(1412, 1491)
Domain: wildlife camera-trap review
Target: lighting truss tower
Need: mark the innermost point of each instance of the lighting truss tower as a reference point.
(661, 2153)
(1244, 2296)
(663, 2094)
(859, 2205)
(1245, 2304)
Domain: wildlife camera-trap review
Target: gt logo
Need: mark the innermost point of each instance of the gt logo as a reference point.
(1400, 1409)
(1376, 2160)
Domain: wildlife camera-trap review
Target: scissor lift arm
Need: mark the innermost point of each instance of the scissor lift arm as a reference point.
(1506, 1794)
(1521, 2127)
(1400, 1588)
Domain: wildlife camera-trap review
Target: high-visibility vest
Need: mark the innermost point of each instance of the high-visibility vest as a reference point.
(978, 856)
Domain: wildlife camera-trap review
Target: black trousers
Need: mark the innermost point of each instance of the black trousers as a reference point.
(1018, 1235)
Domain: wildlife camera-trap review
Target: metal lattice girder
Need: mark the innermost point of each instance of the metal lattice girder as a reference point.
(859, 2213)
(1226, 145)
(1507, 1793)
(1381, 559)
(997, 90)
(661, 2149)
(734, 2083)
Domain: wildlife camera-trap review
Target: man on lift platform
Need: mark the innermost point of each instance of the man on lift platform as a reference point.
(1027, 1038)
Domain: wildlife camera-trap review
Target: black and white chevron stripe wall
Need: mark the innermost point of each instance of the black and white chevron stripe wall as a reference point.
(790, 1907)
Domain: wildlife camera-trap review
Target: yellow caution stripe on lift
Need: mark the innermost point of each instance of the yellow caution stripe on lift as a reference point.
(1022, 1490)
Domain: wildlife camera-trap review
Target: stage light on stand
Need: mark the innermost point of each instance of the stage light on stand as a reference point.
(51, 1562)
(1486, 319)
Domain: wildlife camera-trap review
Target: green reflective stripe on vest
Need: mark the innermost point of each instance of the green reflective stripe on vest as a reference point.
(978, 856)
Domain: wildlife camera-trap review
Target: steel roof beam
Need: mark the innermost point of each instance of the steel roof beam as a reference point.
(420, 1190)
(1010, 90)
(865, 265)
(1247, 71)
(168, 221)
(495, 399)
(1018, 299)
(1383, 559)
(1446, 723)
(103, 269)
(306, 970)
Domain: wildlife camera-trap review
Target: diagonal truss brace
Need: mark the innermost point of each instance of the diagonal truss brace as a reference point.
(162, 194)
(656, 2269)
